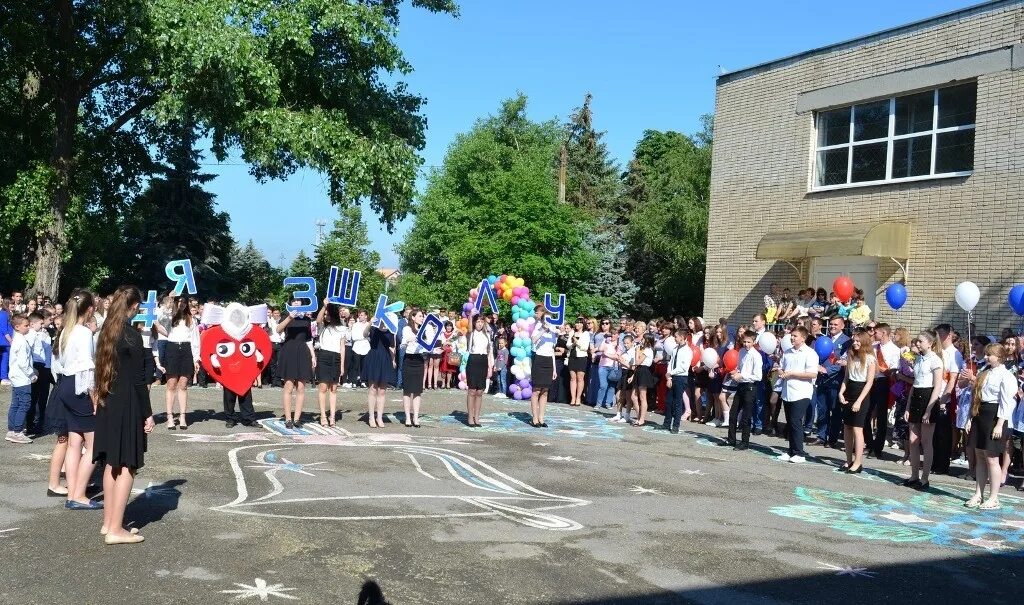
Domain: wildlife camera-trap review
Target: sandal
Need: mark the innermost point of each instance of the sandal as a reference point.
(974, 502)
(990, 505)
(330, 423)
(171, 426)
(183, 425)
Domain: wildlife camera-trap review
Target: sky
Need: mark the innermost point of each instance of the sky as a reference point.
(650, 64)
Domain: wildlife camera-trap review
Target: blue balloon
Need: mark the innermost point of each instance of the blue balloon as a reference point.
(1016, 299)
(491, 279)
(896, 296)
(823, 347)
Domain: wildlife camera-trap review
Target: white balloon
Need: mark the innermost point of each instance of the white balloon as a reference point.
(767, 343)
(787, 343)
(709, 357)
(967, 295)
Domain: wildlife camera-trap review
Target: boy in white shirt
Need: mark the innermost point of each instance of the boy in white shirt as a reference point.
(42, 356)
(22, 375)
(798, 371)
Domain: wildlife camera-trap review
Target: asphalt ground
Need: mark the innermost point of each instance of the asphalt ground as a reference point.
(584, 511)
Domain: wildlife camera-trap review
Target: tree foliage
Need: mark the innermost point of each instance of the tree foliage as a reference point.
(347, 245)
(592, 181)
(291, 84)
(492, 208)
(668, 188)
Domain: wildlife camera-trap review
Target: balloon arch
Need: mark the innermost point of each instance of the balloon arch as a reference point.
(514, 291)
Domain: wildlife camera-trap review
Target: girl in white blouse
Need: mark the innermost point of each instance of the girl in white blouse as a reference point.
(330, 359)
(182, 359)
(478, 369)
(412, 368)
(853, 396)
(995, 397)
(922, 410)
(580, 351)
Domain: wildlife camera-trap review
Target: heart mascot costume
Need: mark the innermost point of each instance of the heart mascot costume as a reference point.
(234, 350)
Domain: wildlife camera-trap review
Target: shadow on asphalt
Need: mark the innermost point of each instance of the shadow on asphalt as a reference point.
(155, 501)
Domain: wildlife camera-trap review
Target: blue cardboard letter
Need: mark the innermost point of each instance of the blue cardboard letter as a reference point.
(183, 280)
(428, 345)
(147, 310)
(347, 292)
(312, 305)
(556, 313)
(380, 316)
(484, 290)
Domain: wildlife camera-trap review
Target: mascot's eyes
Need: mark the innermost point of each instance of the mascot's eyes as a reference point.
(247, 348)
(225, 349)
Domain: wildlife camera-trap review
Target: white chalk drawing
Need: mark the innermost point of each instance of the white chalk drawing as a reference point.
(638, 489)
(541, 444)
(905, 518)
(696, 472)
(156, 490)
(843, 570)
(563, 459)
(439, 483)
(6, 532)
(36, 456)
(229, 438)
(990, 545)
(261, 590)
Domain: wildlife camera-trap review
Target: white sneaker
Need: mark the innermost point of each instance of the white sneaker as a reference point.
(960, 461)
(615, 418)
(623, 419)
(784, 457)
(500, 395)
(797, 459)
(17, 437)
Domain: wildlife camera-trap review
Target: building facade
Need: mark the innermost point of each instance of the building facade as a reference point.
(897, 156)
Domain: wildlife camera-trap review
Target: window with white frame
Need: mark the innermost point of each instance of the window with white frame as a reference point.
(916, 136)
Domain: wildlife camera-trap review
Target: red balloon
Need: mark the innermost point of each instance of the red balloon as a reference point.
(843, 287)
(731, 359)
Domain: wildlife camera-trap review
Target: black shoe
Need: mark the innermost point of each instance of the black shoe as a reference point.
(230, 424)
(298, 424)
(756, 432)
(248, 423)
(741, 447)
(815, 441)
(674, 431)
(923, 487)
(912, 483)
(727, 444)
(289, 425)
(543, 425)
(416, 426)
(855, 472)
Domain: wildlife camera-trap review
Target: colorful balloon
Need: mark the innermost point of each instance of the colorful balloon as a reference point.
(1016, 299)
(824, 347)
(730, 360)
(896, 296)
(967, 295)
(843, 287)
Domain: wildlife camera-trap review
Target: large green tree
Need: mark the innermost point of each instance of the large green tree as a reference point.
(492, 208)
(290, 83)
(252, 278)
(347, 245)
(669, 186)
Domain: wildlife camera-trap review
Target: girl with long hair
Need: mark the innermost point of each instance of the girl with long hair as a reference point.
(542, 367)
(297, 363)
(56, 420)
(853, 393)
(432, 361)
(182, 360)
(412, 368)
(379, 370)
(644, 378)
(995, 397)
(330, 359)
(479, 368)
(922, 410)
(124, 415)
(360, 348)
(76, 353)
(579, 353)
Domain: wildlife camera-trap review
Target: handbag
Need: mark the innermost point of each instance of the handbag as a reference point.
(454, 358)
(615, 374)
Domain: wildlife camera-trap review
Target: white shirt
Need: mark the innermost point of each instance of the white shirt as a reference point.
(183, 332)
(648, 357)
(924, 366)
(802, 360)
(628, 358)
(544, 342)
(77, 358)
(275, 336)
(21, 370)
(856, 371)
(682, 357)
(409, 342)
(42, 349)
(582, 344)
(890, 354)
(751, 365)
(331, 339)
(1000, 387)
(163, 317)
(479, 343)
(360, 344)
(952, 360)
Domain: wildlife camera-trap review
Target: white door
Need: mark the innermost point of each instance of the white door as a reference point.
(863, 270)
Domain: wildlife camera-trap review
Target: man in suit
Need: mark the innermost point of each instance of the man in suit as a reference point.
(830, 378)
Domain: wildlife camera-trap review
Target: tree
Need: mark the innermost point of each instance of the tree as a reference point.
(611, 290)
(669, 185)
(592, 176)
(348, 246)
(252, 279)
(416, 292)
(291, 83)
(492, 208)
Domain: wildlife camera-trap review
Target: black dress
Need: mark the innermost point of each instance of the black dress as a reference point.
(378, 366)
(853, 391)
(296, 362)
(120, 439)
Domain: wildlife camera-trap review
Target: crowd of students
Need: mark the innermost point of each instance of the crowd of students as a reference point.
(935, 397)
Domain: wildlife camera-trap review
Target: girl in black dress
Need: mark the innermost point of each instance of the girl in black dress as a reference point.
(297, 363)
(124, 415)
(853, 396)
(378, 371)
(478, 369)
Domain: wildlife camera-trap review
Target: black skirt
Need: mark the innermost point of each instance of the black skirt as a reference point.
(149, 367)
(853, 391)
(645, 378)
(412, 375)
(981, 430)
(56, 420)
(296, 363)
(120, 427)
(577, 364)
(919, 403)
(78, 411)
(476, 372)
(542, 372)
(179, 360)
(328, 367)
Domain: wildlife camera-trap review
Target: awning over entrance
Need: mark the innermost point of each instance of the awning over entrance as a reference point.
(884, 240)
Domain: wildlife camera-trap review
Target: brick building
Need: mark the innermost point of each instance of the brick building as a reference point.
(901, 150)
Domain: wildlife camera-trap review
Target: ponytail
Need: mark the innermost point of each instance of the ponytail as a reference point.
(75, 310)
(999, 351)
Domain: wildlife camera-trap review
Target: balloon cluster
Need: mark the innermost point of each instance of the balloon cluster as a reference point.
(512, 290)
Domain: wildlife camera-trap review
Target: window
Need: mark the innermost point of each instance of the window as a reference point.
(922, 135)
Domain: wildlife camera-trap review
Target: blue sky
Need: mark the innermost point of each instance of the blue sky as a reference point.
(650, 64)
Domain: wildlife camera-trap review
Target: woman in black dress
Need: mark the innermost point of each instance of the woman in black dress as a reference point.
(378, 371)
(124, 415)
(854, 397)
(297, 362)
